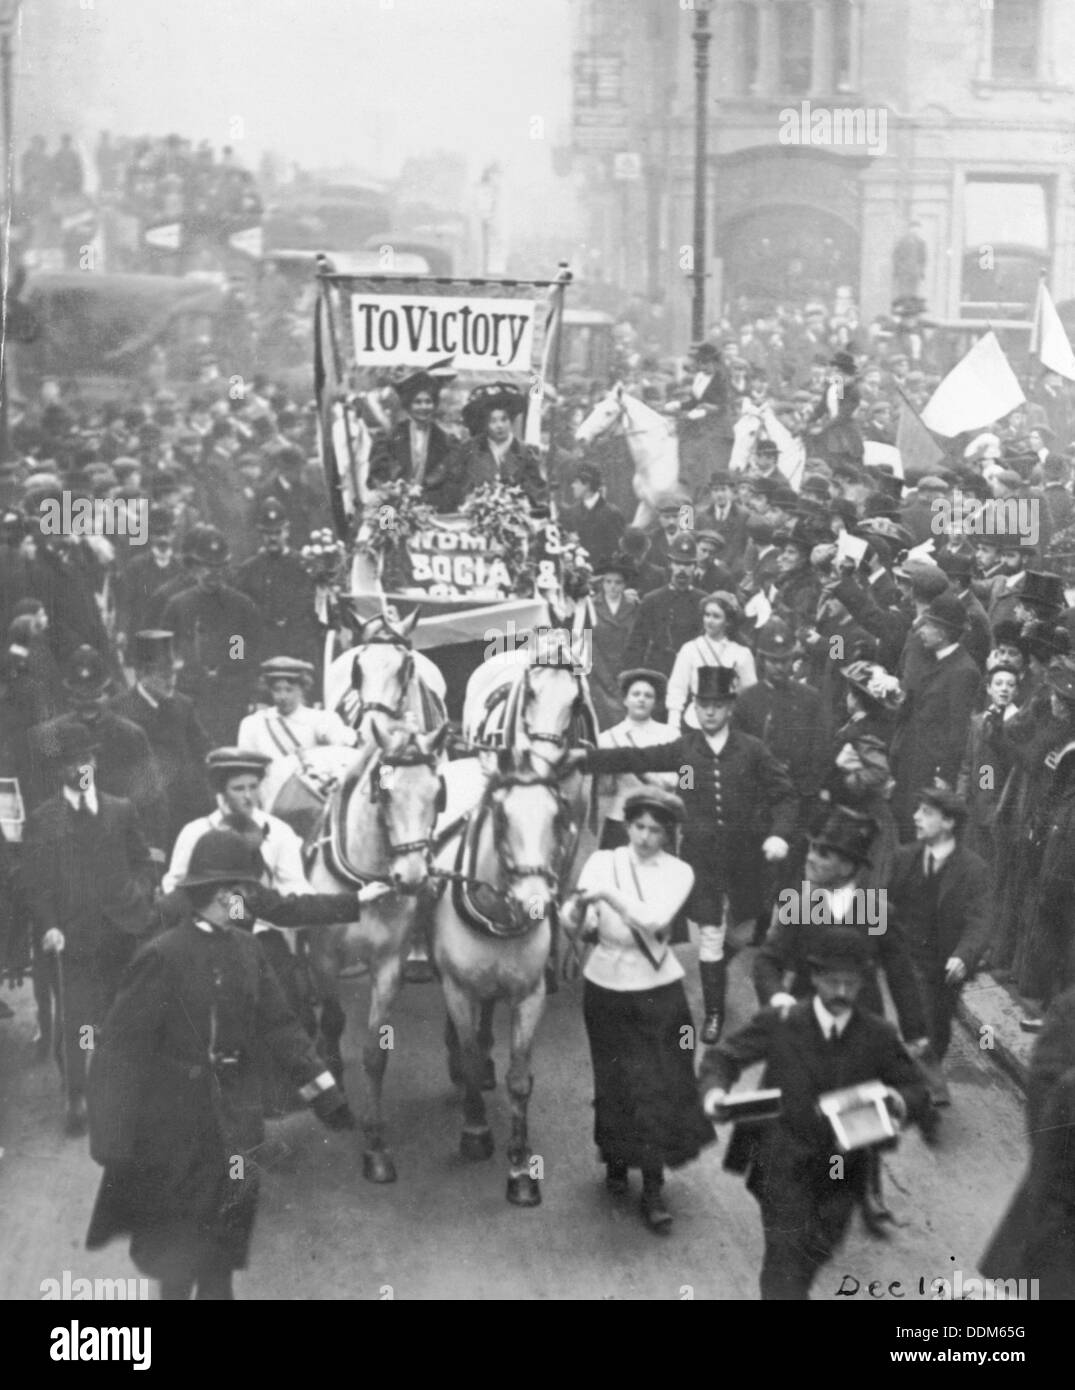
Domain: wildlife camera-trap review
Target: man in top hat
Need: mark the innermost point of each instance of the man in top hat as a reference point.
(613, 611)
(493, 454)
(596, 522)
(823, 1043)
(125, 765)
(175, 1092)
(789, 717)
(281, 589)
(941, 694)
(86, 876)
(219, 636)
(289, 726)
(942, 895)
(417, 450)
(668, 617)
(642, 693)
(999, 592)
(147, 574)
(741, 808)
(171, 726)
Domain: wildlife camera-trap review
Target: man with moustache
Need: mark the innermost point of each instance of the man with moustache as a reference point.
(671, 616)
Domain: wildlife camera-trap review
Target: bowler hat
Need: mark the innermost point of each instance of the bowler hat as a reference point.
(1043, 641)
(957, 564)
(652, 798)
(844, 362)
(210, 548)
(838, 948)
(776, 641)
(222, 856)
(287, 667)
(714, 683)
(671, 501)
(66, 740)
(1060, 678)
(946, 611)
(86, 673)
(153, 647)
(848, 833)
(643, 673)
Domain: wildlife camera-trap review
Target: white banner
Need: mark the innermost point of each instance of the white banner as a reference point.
(416, 330)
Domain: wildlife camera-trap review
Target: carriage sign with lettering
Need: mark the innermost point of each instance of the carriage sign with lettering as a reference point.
(450, 559)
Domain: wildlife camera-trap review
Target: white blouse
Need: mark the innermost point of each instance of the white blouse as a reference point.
(631, 734)
(617, 962)
(701, 651)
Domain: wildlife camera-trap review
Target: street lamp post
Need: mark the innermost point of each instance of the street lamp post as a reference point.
(701, 36)
(9, 13)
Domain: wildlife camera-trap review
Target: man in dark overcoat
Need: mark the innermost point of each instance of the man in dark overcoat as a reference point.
(824, 1043)
(175, 1097)
(278, 584)
(668, 617)
(86, 877)
(741, 808)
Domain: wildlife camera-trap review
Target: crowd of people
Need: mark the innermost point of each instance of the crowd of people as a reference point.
(871, 681)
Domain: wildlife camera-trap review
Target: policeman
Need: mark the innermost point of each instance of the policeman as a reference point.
(145, 576)
(175, 1113)
(669, 617)
(278, 584)
(171, 724)
(218, 634)
(730, 784)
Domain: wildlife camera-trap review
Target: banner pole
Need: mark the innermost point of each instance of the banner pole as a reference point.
(563, 279)
(325, 307)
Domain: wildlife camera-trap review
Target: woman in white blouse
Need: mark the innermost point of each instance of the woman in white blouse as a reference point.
(715, 647)
(647, 1113)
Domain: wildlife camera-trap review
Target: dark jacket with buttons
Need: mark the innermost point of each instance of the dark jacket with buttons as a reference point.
(666, 620)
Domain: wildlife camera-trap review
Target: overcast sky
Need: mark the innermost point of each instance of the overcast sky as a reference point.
(324, 82)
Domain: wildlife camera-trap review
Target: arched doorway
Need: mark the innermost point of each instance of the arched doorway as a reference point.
(787, 254)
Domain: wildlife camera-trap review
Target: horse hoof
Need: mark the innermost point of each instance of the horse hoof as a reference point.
(489, 1075)
(523, 1190)
(476, 1144)
(377, 1166)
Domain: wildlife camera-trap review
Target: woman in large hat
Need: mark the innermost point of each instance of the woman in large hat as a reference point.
(493, 454)
(417, 450)
(647, 1113)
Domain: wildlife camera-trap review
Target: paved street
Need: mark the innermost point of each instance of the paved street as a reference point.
(444, 1229)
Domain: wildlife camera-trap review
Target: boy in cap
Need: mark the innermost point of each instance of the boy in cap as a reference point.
(821, 1044)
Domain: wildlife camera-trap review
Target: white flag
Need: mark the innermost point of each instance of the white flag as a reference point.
(1048, 341)
(979, 389)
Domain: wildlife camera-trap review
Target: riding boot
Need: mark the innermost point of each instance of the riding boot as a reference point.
(714, 975)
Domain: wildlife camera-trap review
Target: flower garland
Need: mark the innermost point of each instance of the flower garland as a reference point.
(502, 515)
(398, 514)
(323, 558)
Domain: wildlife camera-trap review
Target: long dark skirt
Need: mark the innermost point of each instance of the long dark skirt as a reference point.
(647, 1113)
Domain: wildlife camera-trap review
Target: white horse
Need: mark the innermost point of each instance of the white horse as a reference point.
(651, 439)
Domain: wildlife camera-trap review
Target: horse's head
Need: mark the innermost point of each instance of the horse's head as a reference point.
(548, 697)
(407, 787)
(383, 665)
(606, 415)
(531, 828)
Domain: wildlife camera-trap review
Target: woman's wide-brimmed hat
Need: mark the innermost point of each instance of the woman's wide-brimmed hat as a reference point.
(501, 395)
(658, 680)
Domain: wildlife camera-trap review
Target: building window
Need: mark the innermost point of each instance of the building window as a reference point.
(795, 39)
(1006, 244)
(1016, 39)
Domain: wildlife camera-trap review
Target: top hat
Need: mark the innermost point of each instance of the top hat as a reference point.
(658, 799)
(485, 399)
(838, 948)
(705, 352)
(153, 647)
(86, 673)
(777, 641)
(714, 683)
(222, 763)
(161, 522)
(949, 803)
(720, 477)
(271, 515)
(682, 548)
(1043, 641)
(843, 362)
(1042, 590)
(642, 673)
(222, 856)
(588, 473)
(848, 833)
(288, 667)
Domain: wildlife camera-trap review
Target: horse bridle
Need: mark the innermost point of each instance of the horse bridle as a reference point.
(536, 735)
(379, 793)
(406, 675)
(511, 870)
